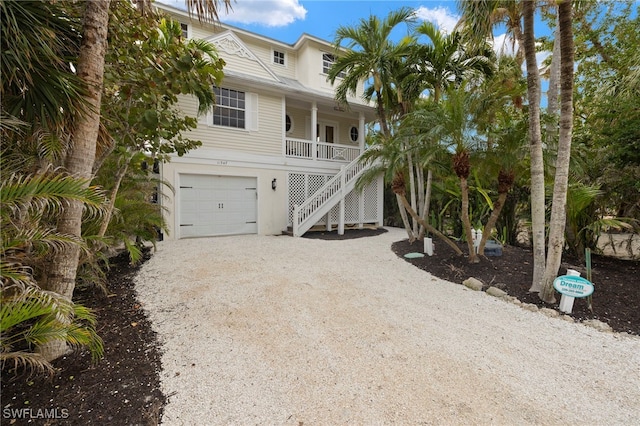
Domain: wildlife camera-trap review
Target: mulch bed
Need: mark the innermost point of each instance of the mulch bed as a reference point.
(121, 389)
(616, 299)
(124, 387)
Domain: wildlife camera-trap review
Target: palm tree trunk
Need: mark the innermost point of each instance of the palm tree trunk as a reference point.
(427, 203)
(535, 145)
(558, 209)
(80, 158)
(554, 81)
(491, 222)
(405, 218)
(412, 188)
(430, 228)
(466, 221)
(112, 198)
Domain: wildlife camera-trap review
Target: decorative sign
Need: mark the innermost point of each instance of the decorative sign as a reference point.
(573, 286)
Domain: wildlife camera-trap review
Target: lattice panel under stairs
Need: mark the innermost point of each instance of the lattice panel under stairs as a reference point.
(370, 202)
(297, 191)
(303, 185)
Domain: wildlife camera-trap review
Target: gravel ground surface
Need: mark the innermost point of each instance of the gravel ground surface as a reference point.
(282, 330)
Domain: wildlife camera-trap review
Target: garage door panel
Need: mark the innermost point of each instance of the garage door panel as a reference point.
(217, 205)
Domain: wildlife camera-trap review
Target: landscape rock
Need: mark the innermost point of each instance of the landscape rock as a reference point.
(552, 313)
(598, 325)
(473, 284)
(530, 307)
(496, 292)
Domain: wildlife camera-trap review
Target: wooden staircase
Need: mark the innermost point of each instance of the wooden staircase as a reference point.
(332, 193)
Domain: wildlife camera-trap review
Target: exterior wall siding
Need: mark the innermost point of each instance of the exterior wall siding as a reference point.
(267, 140)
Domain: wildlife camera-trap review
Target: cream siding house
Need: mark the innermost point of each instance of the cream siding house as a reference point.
(277, 152)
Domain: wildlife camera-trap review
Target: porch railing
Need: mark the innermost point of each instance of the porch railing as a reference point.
(313, 150)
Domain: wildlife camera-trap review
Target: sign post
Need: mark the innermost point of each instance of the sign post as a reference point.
(571, 286)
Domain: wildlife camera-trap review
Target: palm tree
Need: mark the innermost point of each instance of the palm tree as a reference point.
(390, 158)
(497, 109)
(558, 210)
(84, 129)
(39, 41)
(28, 315)
(445, 60)
(479, 18)
(371, 56)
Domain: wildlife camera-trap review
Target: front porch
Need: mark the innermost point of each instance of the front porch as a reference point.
(325, 151)
(322, 132)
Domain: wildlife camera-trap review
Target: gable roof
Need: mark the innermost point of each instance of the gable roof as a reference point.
(229, 43)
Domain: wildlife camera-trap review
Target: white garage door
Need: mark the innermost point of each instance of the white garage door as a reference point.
(217, 205)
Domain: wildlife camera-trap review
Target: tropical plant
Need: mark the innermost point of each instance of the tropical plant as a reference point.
(30, 316)
(479, 19)
(370, 55)
(558, 209)
(90, 19)
(144, 122)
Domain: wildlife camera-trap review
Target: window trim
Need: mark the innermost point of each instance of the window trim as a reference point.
(251, 114)
(357, 131)
(284, 58)
(287, 115)
(187, 30)
(220, 91)
(325, 70)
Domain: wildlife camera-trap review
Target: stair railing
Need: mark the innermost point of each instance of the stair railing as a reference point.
(320, 202)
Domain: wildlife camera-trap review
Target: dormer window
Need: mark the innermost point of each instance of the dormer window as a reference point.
(185, 30)
(278, 57)
(327, 62)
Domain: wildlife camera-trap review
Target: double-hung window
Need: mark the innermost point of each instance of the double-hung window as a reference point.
(230, 110)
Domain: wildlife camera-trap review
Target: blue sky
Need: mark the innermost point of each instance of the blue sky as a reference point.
(286, 20)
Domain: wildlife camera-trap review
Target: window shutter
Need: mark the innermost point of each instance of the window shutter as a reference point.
(206, 119)
(252, 112)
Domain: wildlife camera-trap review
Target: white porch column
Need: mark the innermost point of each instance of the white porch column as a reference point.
(361, 135)
(342, 195)
(314, 121)
(314, 130)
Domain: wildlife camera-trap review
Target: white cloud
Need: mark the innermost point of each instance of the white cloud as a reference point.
(271, 13)
(504, 44)
(440, 16)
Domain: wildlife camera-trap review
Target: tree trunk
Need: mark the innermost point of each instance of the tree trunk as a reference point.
(430, 228)
(405, 218)
(552, 93)
(427, 203)
(420, 187)
(491, 223)
(112, 199)
(412, 188)
(466, 222)
(81, 156)
(535, 145)
(559, 206)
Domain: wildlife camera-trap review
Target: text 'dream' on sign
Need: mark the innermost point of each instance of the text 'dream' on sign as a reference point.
(573, 286)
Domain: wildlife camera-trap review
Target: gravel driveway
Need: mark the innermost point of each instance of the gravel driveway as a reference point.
(280, 330)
